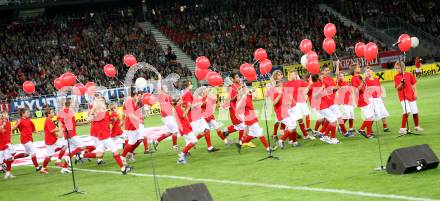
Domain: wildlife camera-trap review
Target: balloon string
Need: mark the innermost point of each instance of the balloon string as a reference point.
(119, 81)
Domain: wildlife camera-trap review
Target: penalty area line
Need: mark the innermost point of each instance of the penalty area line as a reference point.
(273, 186)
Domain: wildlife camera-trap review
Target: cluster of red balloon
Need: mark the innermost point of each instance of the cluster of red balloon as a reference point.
(329, 44)
(310, 59)
(110, 70)
(369, 51)
(29, 87)
(148, 99)
(405, 42)
(129, 60)
(203, 72)
(248, 71)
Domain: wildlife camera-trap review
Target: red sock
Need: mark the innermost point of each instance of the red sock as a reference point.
(286, 135)
(231, 129)
(145, 141)
(283, 127)
(220, 134)
(416, 119)
(125, 143)
(264, 141)
(34, 161)
(275, 128)
(350, 123)
(133, 147)
(303, 129)
(58, 149)
(385, 125)
(162, 137)
(364, 124)
(187, 148)
(240, 134)
(308, 121)
(90, 148)
(324, 126)
(20, 155)
(74, 152)
(370, 128)
(61, 154)
(343, 129)
(327, 130)
(46, 161)
(332, 128)
(404, 120)
(208, 138)
(318, 124)
(8, 165)
(127, 149)
(293, 136)
(174, 137)
(118, 160)
(89, 155)
(246, 139)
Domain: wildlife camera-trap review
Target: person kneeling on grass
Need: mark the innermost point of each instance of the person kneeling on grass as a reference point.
(185, 130)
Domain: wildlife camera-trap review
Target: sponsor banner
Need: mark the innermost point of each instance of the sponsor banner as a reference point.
(348, 61)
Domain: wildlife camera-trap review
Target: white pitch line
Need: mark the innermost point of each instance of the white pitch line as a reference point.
(275, 186)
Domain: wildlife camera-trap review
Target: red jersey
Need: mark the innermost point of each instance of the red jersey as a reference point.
(418, 63)
(71, 125)
(131, 107)
(116, 125)
(50, 137)
(93, 130)
(318, 96)
(329, 84)
(183, 123)
(344, 96)
(165, 105)
(104, 127)
(277, 107)
(208, 108)
(233, 91)
(299, 86)
(288, 94)
(249, 112)
(4, 135)
(6, 124)
(26, 128)
(410, 80)
(356, 82)
(373, 88)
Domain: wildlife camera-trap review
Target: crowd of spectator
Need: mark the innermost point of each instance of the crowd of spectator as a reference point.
(229, 31)
(42, 48)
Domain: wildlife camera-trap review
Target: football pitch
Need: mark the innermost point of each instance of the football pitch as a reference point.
(314, 171)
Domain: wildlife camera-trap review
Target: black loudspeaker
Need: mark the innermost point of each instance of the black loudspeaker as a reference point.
(193, 192)
(411, 159)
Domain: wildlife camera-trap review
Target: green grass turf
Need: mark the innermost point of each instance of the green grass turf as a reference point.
(346, 166)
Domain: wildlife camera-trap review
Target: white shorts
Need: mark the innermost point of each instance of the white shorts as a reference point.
(295, 113)
(335, 109)
(199, 126)
(171, 124)
(418, 70)
(411, 107)
(50, 150)
(329, 115)
(317, 114)
(213, 124)
(11, 149)
(108, 144)
(367, 112)
(142, 132)
(29, 148)
(379, 109)
(347, 111)
(289, 122)
(240, 127)
(94, 140)
(5, 155)
(255, 130)
(75, 142)
(132, 136)
(303, 108)
(61, 142)
(190, 138)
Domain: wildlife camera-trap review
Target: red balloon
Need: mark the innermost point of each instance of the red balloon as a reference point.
(305, 46)
(68, 79)
(404, 42)
(251, 78)
(313, 67)
(90, 88)
(371, 51)
(312, 56)
(247, 70)
(109, 70)
(129, 60)
(203, 62)
(80, 88)
(359, 49)
(265, 66)
(260, 54)
(58, 83)
(329, 30)
(29, 87)
(146, 99)
(329, 45)
(201, 73)
(214, 79)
